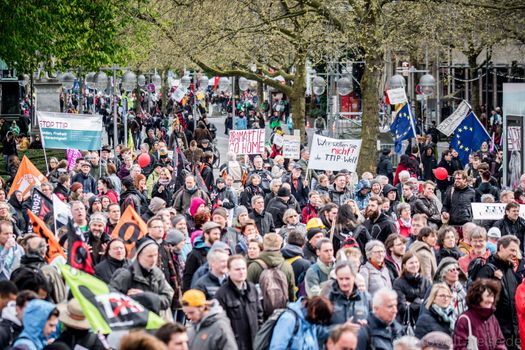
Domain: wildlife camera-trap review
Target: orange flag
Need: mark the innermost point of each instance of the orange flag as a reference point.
(130, 228)
(39, 227)
(27, 177)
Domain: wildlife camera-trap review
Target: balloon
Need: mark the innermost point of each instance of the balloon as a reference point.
(441, 173)
(144, 160)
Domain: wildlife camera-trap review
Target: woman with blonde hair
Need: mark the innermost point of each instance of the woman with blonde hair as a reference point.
(291, 223)
(438, 312)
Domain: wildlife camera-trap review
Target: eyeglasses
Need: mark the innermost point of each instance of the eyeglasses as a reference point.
(453, 269)
(444, 296)
(378, 252)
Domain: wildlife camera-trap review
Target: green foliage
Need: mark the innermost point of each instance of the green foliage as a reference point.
(60, 33)
(36, 156)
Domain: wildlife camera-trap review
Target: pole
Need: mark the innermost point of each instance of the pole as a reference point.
(80, 92)
(194, 101)
(125, 119)
(115, 117)
(233, 103)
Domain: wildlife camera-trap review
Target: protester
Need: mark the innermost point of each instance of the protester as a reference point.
(437, 315)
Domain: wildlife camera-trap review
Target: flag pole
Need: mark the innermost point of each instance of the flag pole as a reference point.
(43, 146)
(414, 130)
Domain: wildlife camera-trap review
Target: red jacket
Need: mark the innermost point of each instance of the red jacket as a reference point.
(309, 212)
(484, 326)
(520, 308)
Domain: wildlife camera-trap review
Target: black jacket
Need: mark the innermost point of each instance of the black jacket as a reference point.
(195, 259)
(506, 307)
(381, 228)
(309, 253)
(209, 284)
(277, 207)
(358, 306)
(444, 252)
(378, 335)
(444, 184)
(486, 188)
(300, 265)
(385, 167)
(9, 331)
(410, 289)
(264, 222)
(167, 192)
(136, 199)
(244, 310)
(430, 321)
(516, 228)
(104, 269)
(301, 192)
(457, 203)
(428, 207)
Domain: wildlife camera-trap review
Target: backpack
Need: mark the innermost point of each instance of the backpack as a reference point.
(300, 289)
(474, 267)
(264, 335)
(274, 287)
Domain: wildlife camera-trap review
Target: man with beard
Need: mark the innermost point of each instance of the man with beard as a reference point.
(339, 193)
(378, 223)
(457, 208)
(184, 196)
(97, 238)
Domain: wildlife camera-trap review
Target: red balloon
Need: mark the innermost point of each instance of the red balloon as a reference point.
(441, 173)
(144, 160)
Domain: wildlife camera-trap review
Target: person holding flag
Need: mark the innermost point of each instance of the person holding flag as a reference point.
(468, 137)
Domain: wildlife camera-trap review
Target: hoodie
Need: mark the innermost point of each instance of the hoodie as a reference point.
(362, 199)
(294, 255)
(10, 325)
(35, 317)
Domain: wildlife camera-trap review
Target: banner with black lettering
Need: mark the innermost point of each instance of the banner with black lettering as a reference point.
(107, 311)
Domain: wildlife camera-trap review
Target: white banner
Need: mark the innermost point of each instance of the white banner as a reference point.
(491, 211)
(247, 141)
(449, 125)
(333, 154)
(397, 96)
(292, 146)
(179, 94)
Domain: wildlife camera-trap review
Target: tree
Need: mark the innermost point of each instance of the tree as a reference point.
(63, 33)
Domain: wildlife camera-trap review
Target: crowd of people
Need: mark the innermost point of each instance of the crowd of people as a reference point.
(266, 253)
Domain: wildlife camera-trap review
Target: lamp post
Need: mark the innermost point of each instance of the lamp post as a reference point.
(129, 82)
(427, 84)
(396, 81)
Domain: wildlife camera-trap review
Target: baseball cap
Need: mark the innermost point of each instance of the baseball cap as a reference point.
(494, 232)
(193, 298)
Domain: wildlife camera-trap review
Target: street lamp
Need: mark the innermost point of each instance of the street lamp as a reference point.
(224, 84)
(90, 80)
(344, 86)
(157, 81)
(396, 81)
(185, 81)
(141, 80)
(427, 83)
(68, 80)
(319, 86)
(203, 83)
(129, 81)
(244, 84)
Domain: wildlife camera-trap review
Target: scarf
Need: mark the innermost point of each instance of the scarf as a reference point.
(164, 182)
(376, 265)
(446, 314)
(406, 223)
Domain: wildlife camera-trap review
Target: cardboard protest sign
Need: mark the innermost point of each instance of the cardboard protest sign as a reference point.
(27, 177)
(333, 154)
(291, 146)
(247, 141)
(491, 211)
(397, 96)
(130, 228)
(449, 125)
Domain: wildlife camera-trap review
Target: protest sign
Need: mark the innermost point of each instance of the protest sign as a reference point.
(130, 228)
(247, 141)
(179, 94)
(278, 140)
(27, 177)
(491, 211)
(333, 154)
(449, 125)
(72, 156)
(397, 96)
(291, 146)
(66, 130)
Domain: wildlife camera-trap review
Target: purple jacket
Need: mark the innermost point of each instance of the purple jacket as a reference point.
(484, 326)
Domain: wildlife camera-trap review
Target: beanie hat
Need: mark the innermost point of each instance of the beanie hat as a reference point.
(221, 211)
(195, 203)
(142, 244)
(241, 209)
(92, 200)
(193, 298)
(174, 237)
(283, 192)
(312, 232)
(156, 204)
(75, 186)
(98, 217)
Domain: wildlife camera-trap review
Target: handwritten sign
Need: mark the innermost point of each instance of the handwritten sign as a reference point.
(491, 211)
(397, 96)
(333, 154)
(247, 141)
(291, 146)
(449, 125)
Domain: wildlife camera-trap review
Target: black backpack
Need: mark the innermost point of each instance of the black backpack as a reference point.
(474, 267)
(263, 338)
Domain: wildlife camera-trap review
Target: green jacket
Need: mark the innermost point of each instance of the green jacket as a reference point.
(273, 258)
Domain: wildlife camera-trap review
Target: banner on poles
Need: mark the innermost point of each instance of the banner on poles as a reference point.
(449, 125)
(247, 141)
(66, 130)
(27, 177)
(292, 146)
(491, 211)
(333, 154)
(397, 96)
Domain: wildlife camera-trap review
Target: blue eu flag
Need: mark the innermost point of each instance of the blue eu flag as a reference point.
(402, 127)
(468, 137)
